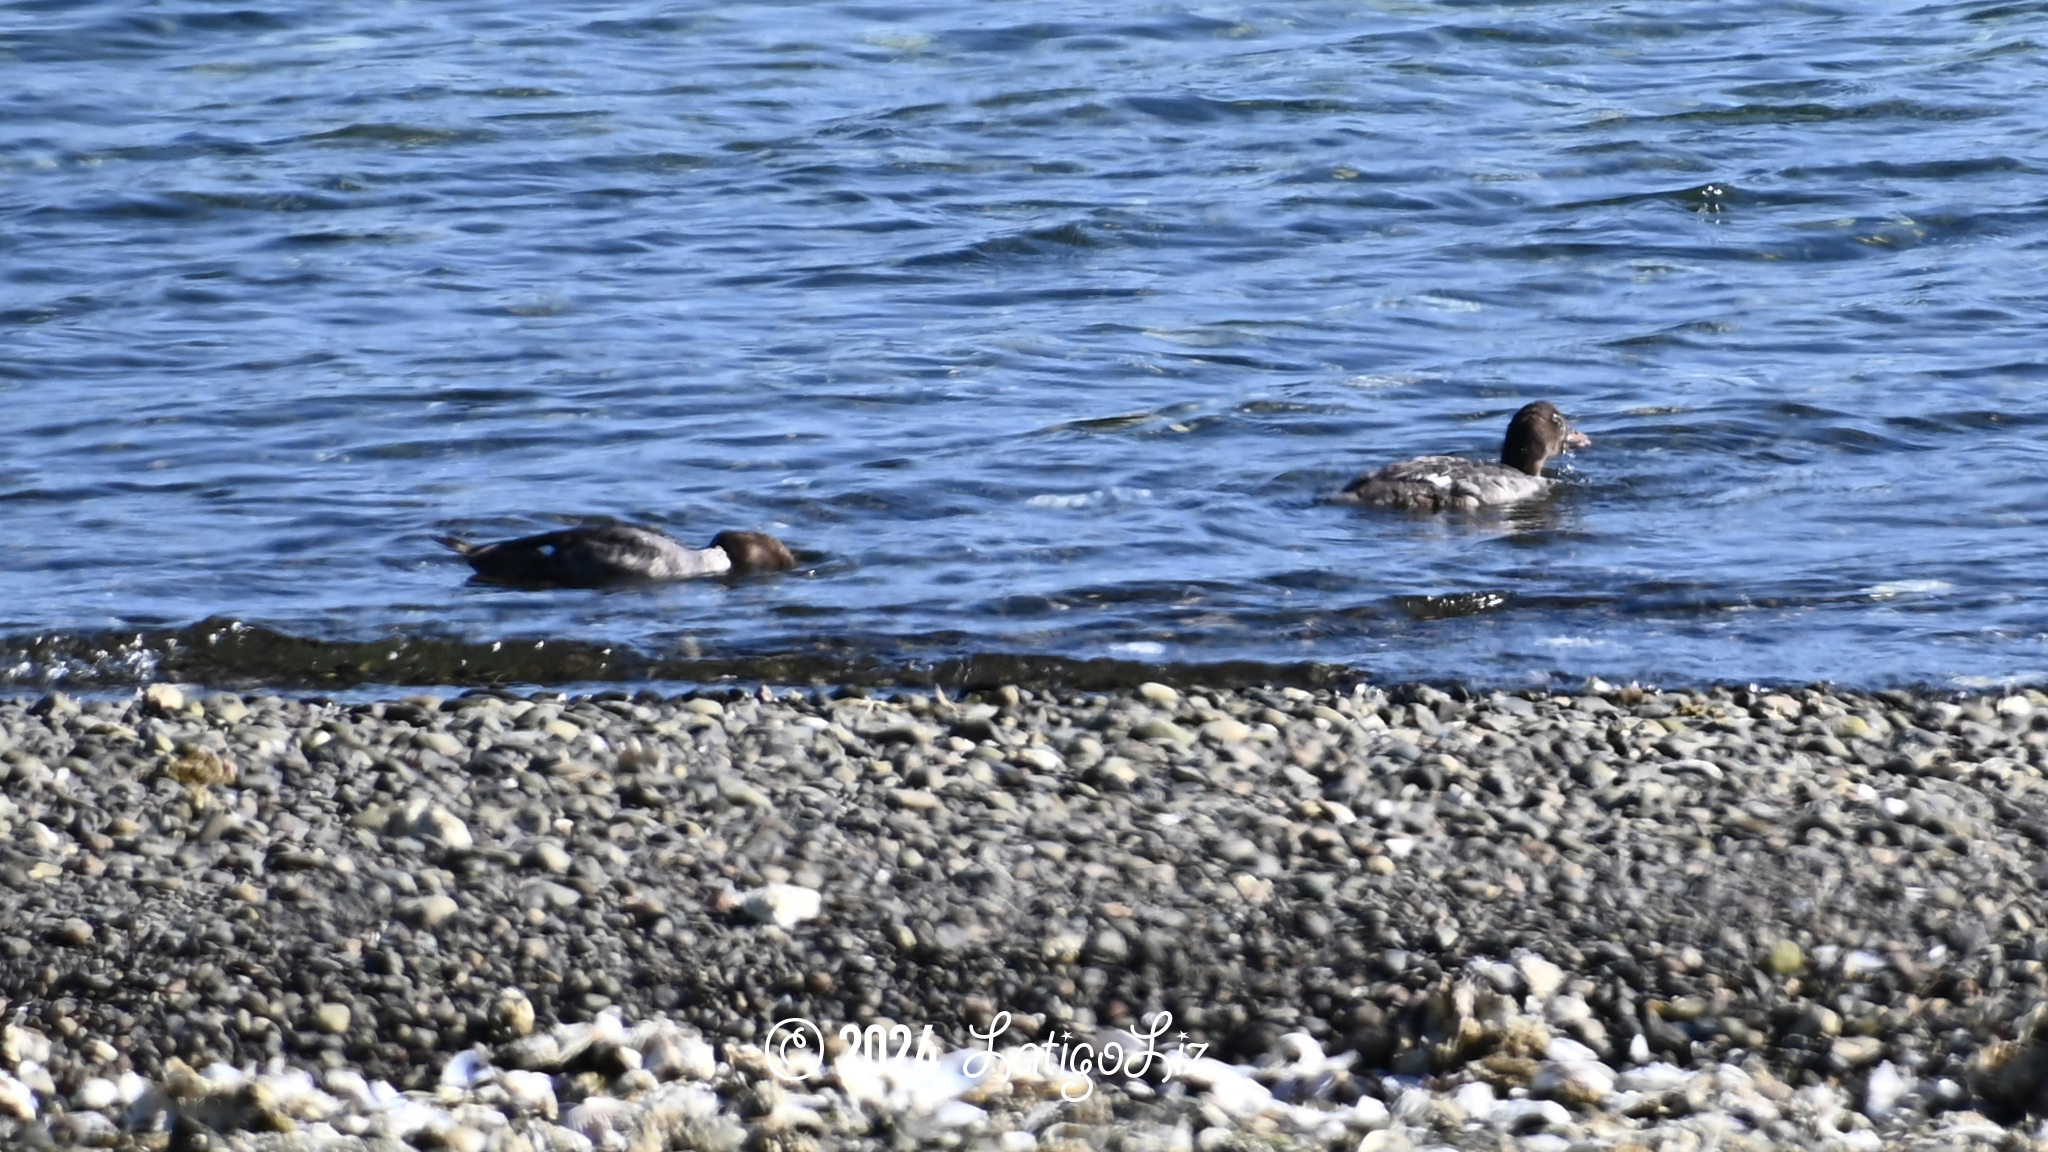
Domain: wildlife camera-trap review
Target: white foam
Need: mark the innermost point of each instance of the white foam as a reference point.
(1088, 499)
(1140, 648)
(1897, 588)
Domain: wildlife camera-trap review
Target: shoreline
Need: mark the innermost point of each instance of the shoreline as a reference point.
(235, 655)
(1752, 918)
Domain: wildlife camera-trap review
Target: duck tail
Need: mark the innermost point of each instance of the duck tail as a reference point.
(455, 544)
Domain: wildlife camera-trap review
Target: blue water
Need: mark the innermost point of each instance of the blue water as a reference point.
(1038, 328)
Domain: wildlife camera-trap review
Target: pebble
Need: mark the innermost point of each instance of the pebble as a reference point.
(431, 911)
(514, 1012)
(163, 700)
(1854, 1051)
(785, 905)
(1158, 729)
(1785, 958)
(1542, 977)
(1527, 1116)
(1226, 731)
(430, 821)
(1582, 1083)
(16, 1099)
(1159, 694)
(531, 1093)
(96, 1094)
(547, 856)
(73, 932)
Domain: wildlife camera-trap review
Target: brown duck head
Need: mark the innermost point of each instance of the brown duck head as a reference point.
(1537, 433)
(754, 551)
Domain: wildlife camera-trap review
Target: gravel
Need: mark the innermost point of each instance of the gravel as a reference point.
(1396, 918)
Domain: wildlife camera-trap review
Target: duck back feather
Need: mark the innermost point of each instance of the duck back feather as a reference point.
(1443, 484)
(589, 558)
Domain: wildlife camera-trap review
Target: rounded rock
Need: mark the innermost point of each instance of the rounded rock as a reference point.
(96, 1094)
(785, 905)
(1157, 693)
(1158, 729)
(514, 1012)
(1785, 958)
(1226, 731)
(73, 933)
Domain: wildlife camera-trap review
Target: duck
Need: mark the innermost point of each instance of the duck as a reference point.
(606, 554)
(1452, 483)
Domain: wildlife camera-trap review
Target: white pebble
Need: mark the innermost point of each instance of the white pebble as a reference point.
(15, 1098)
(1531, 1115)
(1476, 1101)
(465, 1070)
(1370, 1114)
(530, 1092)
(1639, 1049)
(1566, 1048)
(1159, 694)
(1583, 1081)
(1569, 1010)
(958, 1114)
(1229, 1089)
(1503, 977)
(1657, 1077)
(430, 821)
(602, 1120)
(1881, 1094)
(132, 1087)
(671, 1054)
(97, 1094)
(23, 1046)
(784, 904)
(1543, 977)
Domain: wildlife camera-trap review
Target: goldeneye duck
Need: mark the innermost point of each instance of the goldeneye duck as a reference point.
(617, 554)
(1453, 483)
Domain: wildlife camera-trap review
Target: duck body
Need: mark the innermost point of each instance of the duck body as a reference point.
(601, 555)
(1455, 484)
(1444, 484)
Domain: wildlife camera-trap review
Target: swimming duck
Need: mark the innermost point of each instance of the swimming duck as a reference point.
(616, 554)
(1448, 483)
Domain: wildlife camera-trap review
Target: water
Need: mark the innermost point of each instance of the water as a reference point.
(1042, 330)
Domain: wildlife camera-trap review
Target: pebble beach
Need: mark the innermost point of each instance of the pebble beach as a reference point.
(1381, 918)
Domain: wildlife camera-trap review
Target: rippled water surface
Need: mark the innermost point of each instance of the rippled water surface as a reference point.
(1039, 328)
